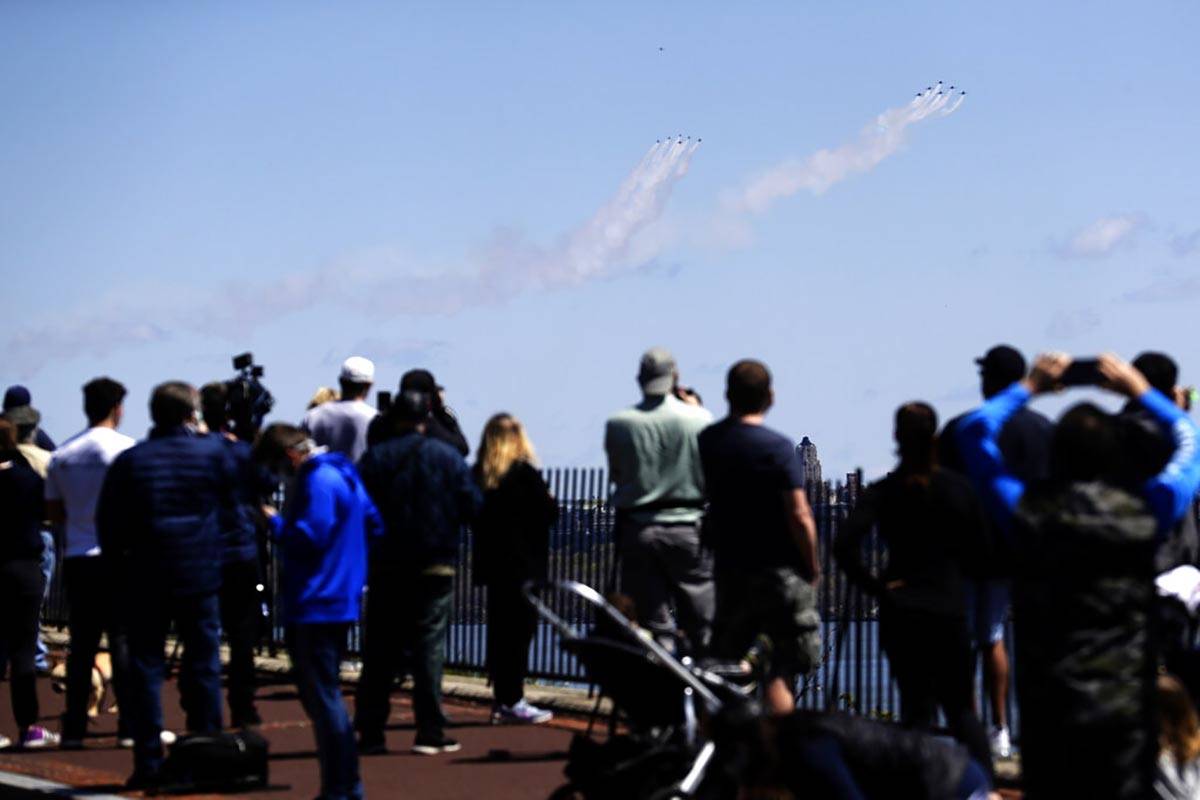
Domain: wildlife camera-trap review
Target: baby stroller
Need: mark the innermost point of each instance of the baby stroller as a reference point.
(654, 746)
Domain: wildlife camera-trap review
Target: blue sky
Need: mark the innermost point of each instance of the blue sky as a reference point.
(314, 180)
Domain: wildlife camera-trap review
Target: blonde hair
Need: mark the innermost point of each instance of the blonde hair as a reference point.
(322, 395)
(1180, 734)
(503, 444)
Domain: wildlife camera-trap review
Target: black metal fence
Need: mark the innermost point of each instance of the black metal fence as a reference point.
(853, 673)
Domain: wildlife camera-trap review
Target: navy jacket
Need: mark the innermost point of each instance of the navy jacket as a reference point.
(425, 492)
(162, 510)
(251, 487)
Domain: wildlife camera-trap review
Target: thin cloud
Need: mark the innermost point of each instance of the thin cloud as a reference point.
(1100, 238)
(1186, 244)
(1167, 290)
(1073, 324)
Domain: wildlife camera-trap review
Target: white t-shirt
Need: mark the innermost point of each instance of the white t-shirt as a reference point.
(341, 426)
(75, 475)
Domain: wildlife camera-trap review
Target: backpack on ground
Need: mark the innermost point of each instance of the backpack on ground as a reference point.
(221, 762)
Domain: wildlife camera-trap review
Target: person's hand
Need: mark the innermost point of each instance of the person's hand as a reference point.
(270, 512)
(1047, 372)
(1121, 376)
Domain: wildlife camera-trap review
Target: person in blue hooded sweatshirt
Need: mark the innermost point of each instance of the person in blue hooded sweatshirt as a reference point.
(322, 536)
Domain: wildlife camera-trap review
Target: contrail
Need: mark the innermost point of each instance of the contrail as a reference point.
(381, 285)
(824, 168)
(599, 246)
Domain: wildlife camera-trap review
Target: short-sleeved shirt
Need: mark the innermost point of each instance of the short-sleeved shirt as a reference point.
(748, 471)
(74, 477)
(654, 460)
(340, 426)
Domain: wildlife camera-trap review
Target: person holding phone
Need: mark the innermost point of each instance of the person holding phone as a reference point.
(1081, 546)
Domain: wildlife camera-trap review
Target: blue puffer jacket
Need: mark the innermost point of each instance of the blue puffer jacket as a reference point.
(162, 509)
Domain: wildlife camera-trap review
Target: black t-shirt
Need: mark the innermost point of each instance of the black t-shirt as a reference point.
(934, 531)
(748, 469)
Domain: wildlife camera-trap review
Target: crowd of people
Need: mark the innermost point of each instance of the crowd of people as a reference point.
(1065, 523)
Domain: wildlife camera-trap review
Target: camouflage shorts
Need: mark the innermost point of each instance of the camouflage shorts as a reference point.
(778, 605)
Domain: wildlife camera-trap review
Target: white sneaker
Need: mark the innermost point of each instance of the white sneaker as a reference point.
(164, 736)
(1001, 743)
(5, 742)
(521, 712)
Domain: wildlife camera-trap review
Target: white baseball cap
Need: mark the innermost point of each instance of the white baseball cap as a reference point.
(357, 369)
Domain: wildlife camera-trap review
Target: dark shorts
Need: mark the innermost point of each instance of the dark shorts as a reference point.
(777, 605)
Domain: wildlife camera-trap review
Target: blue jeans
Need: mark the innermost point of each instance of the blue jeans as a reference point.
(198, 624)
(316, 650)
(40, 659)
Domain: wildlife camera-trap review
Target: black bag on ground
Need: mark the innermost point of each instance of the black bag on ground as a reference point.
(222, 762)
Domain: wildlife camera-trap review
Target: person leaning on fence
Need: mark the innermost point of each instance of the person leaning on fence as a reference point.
(763, 536)
(322, 540)
(424, 491)
(933, 528)
(21, 584)
(511, 547)
(73, 481)
(159, 519)
(654, 464)
(1082, 546)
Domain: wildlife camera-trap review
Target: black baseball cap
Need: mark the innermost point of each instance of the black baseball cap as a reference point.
(1002, 362)
(1160, 370)
(16, 396)
(419, 380)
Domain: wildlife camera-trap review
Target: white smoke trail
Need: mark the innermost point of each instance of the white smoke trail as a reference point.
(826, 167)
(600, 245)
(381, 284)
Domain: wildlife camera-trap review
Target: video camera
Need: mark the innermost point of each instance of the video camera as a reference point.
(249, 401)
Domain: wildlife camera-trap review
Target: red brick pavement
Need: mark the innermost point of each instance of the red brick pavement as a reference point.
(500, 762)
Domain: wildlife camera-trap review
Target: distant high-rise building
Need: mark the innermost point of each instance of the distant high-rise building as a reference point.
(810, 463)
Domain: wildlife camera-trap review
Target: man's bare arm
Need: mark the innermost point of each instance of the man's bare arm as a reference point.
(804, 530)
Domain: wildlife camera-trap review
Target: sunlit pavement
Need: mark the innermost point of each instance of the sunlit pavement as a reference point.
(495, 761)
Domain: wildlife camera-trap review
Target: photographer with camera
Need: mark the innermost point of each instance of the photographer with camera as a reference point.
(240, 597)
(1081, 546)
(441, 424)
(341, 425)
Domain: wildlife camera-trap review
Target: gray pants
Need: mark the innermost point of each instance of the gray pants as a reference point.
(664, 566)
